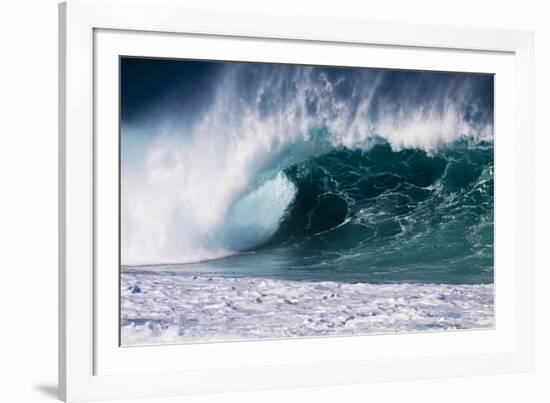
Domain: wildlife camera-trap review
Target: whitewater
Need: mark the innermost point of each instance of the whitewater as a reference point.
(172, 308)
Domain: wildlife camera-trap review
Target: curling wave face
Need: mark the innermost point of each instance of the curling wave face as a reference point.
(390, 216)
(314, 173)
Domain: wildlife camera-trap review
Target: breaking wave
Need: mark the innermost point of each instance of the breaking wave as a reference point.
(357, 167)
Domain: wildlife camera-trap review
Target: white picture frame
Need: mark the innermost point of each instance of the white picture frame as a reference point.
(93, 33)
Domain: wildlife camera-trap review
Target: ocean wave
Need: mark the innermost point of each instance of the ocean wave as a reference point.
(234, 178)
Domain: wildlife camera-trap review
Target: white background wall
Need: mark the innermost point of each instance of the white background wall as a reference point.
(28, 199)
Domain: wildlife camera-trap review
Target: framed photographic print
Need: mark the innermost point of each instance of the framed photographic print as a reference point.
(245, 206)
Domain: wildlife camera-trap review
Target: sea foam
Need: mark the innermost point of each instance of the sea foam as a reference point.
(169, 308)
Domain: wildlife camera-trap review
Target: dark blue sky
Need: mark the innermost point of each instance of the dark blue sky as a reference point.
(152, 88)
(147, 82)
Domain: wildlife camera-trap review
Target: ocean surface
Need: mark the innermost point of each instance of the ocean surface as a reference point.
(262, 201)
(370, 242)
(172, 308)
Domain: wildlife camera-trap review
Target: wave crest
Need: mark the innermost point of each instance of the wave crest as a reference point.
(197, 187)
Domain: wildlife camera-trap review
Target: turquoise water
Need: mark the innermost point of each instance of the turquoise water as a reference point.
(377, 216)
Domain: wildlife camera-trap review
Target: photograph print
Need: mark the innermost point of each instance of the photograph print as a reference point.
(268, 201)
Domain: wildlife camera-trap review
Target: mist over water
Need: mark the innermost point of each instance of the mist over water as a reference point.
(314, 173)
